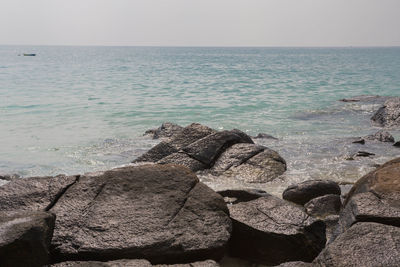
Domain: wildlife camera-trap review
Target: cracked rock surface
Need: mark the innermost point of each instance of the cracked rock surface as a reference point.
(161, 213)
(389, 114)
(132, 263)
(270, 231)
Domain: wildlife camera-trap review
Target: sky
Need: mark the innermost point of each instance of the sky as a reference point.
(200, 22)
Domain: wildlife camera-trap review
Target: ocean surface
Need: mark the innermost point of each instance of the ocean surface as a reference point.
(80, 109)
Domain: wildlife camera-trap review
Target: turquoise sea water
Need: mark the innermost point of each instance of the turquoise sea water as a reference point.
(78, 109)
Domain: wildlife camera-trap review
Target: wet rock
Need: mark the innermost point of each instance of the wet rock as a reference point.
(234, 196)
(25, 238)
(34, 193)
(364, 154)
(303, 192)
(364, 244)
(166, 130)
(397, 144)
(359, 141)
(270, 231)
(363, 98)
(323, 206)
(161, 213)
(9, 177)
(157, 153)
(296, 264)
(381, 136)
(264, 136)
(116, 263)
(184, 160)
(389, 114)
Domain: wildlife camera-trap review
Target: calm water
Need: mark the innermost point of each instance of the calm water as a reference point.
(78, 109)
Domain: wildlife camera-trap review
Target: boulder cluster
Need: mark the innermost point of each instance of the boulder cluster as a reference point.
(158, 213)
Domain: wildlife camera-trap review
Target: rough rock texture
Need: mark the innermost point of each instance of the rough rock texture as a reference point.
(303, 192)
(9, 177)
(381, 136)
(264, 136)
(207, 263)
(375, 197)
(234, 196)
(296, 264)
(364, 244)
(116, 263)
(271, 231)
(161, 213)
(166, 130)
(250, 163)
(25, 238)
(35, 193)
(226, 153)
(323, 206)
(389, 114)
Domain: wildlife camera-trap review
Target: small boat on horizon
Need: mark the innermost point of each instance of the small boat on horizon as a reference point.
(29, 55)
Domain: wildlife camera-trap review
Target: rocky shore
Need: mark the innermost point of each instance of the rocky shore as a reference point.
(157, 212)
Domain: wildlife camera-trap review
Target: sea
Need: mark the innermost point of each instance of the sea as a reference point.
(73, 110)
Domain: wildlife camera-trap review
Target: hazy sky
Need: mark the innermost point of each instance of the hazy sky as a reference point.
(201, 22)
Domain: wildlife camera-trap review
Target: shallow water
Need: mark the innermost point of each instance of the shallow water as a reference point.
(78, 109)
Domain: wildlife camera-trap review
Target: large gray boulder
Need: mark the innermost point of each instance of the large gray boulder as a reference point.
(25, 238)
(389, 114)
(34, 193)
(303, 192)
(161, 213)
(381, 136)
(364, 244)
(270, 231)
(374, 198)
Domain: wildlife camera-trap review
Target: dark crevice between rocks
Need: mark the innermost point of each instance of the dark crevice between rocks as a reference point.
(173, 217)
(395, 221)
(244, 160)
(61, 193)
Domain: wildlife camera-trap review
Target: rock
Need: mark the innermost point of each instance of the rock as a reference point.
(25, 238)
(116, 263)
(359, 141)
(156, 153)
(264, 136)
(323, 206)
(296, 264)
(166, 130)
(362, 98)
(260, 168)
(9, 177)
(207, 263)
(208, 149)
(364, 154)
(332, 223)
(234, 196)
(161, 213)
(374, 198)
(303, 192)
(34, 193)
(397, 144)
(184, 160)
(270, 231)
(364, 244)
(381, 136)
(389, 114)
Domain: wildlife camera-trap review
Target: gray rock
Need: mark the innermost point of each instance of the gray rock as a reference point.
(208, 149)
(116, 263)
(207, 263)
(359, 141)
(25, 238)
(234, 196)
(397, 144)
(381, 136)
(183, 159)
(364, 244)
(270, 231)
(323, 206)
(156, 153)
(161, 213)
(166, 130)
(364, 98)
(374, 198)
(34, 193)
(296, 264)
(303, 192)
(264, 136)
(332, 224)
(9, 177)
(389, 114)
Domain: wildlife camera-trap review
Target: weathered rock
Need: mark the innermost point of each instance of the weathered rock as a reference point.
(374, 198)
(207, 263)
(323, 206)
(161, 213)
(35, 193)
(359, 141)
(389, 114)
(296, 264)
(234, 196)
(364, 244)
(166, 130)
(157, 153)
(332, 223)
(183, 159)
(303, 192)
(397, 144)
(25, 238)
(381, 136)
(264, 136)
(260, 168)
(271, 231)
(364, 154)
(363, 98)
(208, 149)
(9, 177)
(116, 263)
